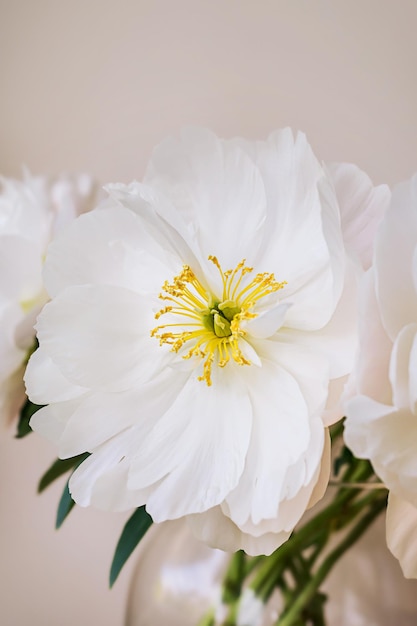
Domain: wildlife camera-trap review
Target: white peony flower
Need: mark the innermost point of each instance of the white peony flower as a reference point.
(382, 414)
(31, 212)
(193, 331)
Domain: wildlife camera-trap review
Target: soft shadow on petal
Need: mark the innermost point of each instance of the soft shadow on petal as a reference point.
(101, 416)
(107, 247)
(325, 468)
(370, 376)
(402, 533)
(217, 530)
(280, 437)
(198, 447)
(361, 206)
(101, 480)
(337, 340)
(399, 367)
(45, 382)
(99, 337)
(216, 187)
(394, 252)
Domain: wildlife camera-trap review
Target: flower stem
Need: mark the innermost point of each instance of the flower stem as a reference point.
(292, 614)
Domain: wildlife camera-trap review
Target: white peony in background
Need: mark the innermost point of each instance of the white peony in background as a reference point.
(382, 419)
(32, 211)
(199, 329)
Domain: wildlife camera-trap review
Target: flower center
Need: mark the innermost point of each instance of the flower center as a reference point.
(210, 327)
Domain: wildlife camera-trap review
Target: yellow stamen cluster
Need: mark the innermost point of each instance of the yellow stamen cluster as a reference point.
(212, 325)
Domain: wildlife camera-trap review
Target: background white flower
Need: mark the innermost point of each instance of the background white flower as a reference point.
(195, 325)
(382, 414)
(32, 211)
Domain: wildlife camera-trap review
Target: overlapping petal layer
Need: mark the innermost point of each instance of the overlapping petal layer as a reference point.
(195, 326)
(382, 414)
(32, 211)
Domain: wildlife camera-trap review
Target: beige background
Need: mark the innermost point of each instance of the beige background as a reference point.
(92, 85)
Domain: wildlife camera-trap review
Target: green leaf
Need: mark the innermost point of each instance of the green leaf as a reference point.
(59, 467)
(65, 506)
(135, 528)
(26, 413)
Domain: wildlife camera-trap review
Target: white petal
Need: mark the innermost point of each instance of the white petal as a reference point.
(50, 421)
(296, 495)
(337, 340)
(165, 233)
(20, 268)
(109, 247)
(45, 383)
(198, 447)
(301, 223)
(101, 416)
(336, 399)
(309, 368)
(371, 371)
(325, 468)
(268, 323)
(12, 398)
(361, 206)
(399, 370)
(361, 411)
(11, 355)
(217, 530)
(402, 533)
(99, 337)
(101, 480)
(394, 249)
(386, 436)
(279, 437)
(217, 187)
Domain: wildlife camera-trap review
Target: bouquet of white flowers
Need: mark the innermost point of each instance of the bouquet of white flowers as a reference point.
(200, 337)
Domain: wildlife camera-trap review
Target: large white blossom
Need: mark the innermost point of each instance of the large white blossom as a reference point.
(32, 211)
(382, 414)
(195, 326)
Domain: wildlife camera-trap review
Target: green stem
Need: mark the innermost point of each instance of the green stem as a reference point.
(290, 617)
(235, 575)
(208, 619)
(306, 533)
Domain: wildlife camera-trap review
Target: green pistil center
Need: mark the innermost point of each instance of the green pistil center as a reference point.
(218, 317)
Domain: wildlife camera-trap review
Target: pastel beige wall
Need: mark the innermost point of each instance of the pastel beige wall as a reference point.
(92, 85)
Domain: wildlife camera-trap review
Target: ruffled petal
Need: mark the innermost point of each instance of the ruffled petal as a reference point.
(101, 416)
(337, 340)
(370, 376)
(99, 337)
(50, 421)
(386, 436)
(325, 468)
(20, 269)
(398, 234)
(279, 438)
(362, 207)
(198, 447)
(217, 530)
(302, 221)
(110, 246)
(216, 187)
(402, 533)
(309, 368)
(400, 365)
(101, 480)
(45, 383)
(11, 355)
(268, 322)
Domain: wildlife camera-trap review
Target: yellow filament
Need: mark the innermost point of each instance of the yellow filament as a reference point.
(190, 299)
